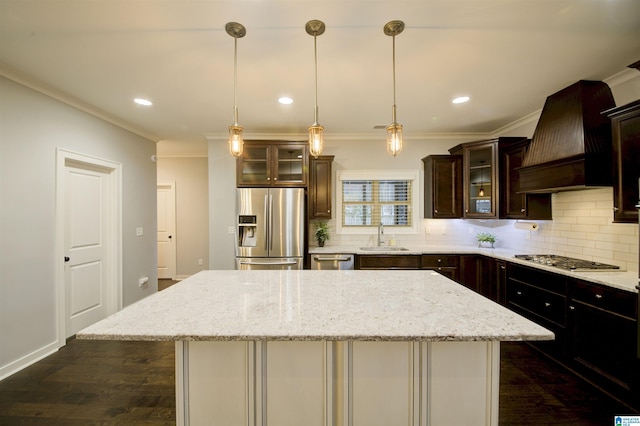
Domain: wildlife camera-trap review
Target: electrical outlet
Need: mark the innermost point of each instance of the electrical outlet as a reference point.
(139, 231)
(200, 262)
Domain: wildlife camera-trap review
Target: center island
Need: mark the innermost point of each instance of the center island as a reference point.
(325, 348)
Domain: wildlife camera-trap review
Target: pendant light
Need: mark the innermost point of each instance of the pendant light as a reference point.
(394, 130)
(316, 131)
(236, 141)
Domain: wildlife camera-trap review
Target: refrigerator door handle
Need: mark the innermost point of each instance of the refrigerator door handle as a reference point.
(270, 223)
(266, 223)
(254, 262)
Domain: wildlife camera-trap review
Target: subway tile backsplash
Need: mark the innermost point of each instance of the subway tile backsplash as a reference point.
(582, 227)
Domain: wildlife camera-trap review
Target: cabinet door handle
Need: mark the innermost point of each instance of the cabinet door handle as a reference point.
(519, 293)
(615, 209)
(547, 304)
(572, 308)
(522, 210)
(503, 267)
(599, 296)
(435, 211)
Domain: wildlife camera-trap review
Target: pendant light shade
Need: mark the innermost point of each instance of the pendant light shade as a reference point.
(316, 131)
(236, 141)
(394, 130)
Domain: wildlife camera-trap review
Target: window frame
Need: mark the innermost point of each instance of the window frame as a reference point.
(378, 175)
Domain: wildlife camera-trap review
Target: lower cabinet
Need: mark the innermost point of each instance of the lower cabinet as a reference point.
(542, 297)
(446, 265)
(604, 335)
(388, 261)
(319, 383)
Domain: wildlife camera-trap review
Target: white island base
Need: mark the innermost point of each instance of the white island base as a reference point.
(337, 383)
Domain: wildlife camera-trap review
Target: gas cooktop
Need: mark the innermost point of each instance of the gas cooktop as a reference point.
(568, 263)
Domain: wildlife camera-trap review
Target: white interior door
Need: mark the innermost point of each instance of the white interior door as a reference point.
(166, 231)
(88, 223)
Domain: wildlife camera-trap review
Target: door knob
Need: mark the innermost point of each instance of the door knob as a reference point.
(169, 237)
(66, 258)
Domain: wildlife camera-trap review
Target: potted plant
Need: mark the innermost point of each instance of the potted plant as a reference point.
(322, 233)
(485, 237)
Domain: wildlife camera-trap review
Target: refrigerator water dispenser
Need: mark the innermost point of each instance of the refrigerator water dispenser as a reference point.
(247, 228)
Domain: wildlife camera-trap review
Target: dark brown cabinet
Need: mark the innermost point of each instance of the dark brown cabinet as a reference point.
(479, 189)
(542, 297)
(469, 271)
(320, 182)
(443, 186)
(388, 261)
(514, 205)
(625, 128)
(604, 334)
(446, 265)
(273, 163)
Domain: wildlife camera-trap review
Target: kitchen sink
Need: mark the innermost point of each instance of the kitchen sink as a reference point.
(382, 248)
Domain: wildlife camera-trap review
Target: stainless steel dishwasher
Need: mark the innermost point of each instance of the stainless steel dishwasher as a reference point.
(331, 261)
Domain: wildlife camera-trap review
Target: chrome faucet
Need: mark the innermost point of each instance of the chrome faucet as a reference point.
(380, 232)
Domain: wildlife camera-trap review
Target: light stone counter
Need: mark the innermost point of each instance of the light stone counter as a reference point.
(316, 305)
(624, 280)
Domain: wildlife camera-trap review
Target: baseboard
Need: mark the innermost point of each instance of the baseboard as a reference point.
(27, 360)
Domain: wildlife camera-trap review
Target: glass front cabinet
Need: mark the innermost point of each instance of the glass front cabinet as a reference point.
(479, 176)
(273, 163)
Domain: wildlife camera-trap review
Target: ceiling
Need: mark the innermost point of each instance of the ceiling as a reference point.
(507, 55)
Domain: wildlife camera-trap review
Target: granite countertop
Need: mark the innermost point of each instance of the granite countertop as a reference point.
(316, 305)
(624, 280)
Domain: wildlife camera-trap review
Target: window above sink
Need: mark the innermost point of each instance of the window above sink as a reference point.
(367, 198)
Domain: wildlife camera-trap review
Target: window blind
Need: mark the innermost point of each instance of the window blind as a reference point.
(370, 202)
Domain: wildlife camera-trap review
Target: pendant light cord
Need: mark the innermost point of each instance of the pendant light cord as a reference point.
(394, 79)
(315, 54)
(235, 81)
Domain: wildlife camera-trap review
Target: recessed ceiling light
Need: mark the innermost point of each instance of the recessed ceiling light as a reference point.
(143, 102)
(460, 100)
(285, 100)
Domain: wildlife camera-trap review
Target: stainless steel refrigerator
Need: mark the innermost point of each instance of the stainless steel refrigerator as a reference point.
(270, 228)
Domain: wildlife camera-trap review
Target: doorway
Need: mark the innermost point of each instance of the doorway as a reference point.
(88, 224)
(167, 231)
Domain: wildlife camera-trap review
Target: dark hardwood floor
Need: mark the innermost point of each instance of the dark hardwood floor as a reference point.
(132, 383)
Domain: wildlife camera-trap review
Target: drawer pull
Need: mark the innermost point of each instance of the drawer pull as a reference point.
(547, 304)
(519, 293)
(572, 308)
(598, 296)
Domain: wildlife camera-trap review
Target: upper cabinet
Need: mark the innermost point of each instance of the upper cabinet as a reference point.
(273, 163)
(515, 205)
(479, 189)
(320, 187)
(625, 128)
(443, 186)
(490, 186)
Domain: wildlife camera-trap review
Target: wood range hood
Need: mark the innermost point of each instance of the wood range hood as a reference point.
(571, 146)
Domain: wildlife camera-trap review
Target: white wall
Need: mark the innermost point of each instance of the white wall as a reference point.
(32, 126)
(190, 175)
(222, 205)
